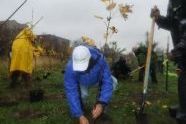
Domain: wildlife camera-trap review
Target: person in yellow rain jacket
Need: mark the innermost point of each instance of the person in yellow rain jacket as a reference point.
(22, 57)
(88, 40)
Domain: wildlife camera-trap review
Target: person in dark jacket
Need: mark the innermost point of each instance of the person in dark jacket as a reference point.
(153, 65)
(175, 22)
(160, 60)
(141, 53)
(120, 67)
(85, 69)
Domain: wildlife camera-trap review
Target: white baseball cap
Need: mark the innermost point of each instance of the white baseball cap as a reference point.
(80, 58)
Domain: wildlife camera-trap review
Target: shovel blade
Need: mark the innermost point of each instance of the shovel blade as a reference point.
(181, 121)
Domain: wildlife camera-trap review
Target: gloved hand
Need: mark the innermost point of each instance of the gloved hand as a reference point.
(155, 12)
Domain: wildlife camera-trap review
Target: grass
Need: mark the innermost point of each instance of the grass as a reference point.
(54, 109)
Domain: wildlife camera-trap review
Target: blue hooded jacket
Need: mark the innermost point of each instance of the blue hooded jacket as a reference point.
(98, 73)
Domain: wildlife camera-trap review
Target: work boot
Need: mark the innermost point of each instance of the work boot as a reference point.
(181, 118)
(173, 110)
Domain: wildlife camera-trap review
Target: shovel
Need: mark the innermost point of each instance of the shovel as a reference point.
(141, 116)
(12, 14)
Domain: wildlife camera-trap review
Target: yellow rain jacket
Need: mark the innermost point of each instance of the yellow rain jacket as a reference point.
(22, 52)
(88, 40)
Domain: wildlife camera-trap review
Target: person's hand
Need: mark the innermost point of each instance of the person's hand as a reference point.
(155, 13)
(97, 111)
(83, 120)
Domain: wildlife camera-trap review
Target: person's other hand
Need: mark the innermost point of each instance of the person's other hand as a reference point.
(155, 12)
(178, 71)
(83, 120)
(175, 55)
(170, 56)
(97, 111)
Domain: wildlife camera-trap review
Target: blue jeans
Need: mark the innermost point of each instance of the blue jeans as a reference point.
(84, 89)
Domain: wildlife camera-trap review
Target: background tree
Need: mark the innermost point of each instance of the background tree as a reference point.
(112, 7)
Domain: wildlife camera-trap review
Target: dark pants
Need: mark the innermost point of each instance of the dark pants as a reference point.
(141, 74)
(153, 73)
(181, 115)
(15, 75)
(182, 90)
(160, 66)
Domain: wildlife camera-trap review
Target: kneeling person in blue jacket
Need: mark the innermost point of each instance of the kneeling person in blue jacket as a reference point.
(85, 69)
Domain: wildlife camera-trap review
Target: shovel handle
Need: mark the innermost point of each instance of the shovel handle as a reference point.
(12, 14)
(147, 66)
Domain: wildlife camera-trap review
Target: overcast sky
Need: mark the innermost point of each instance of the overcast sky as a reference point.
(73, 18)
